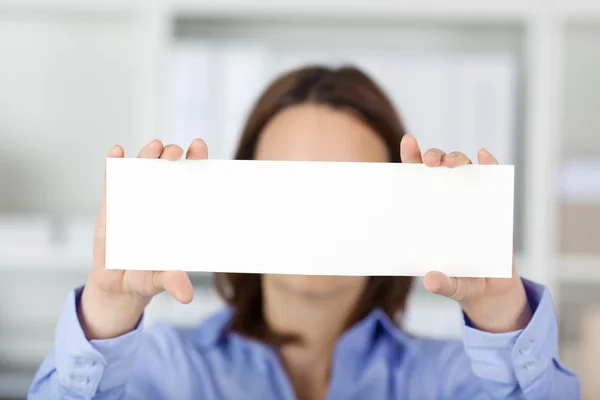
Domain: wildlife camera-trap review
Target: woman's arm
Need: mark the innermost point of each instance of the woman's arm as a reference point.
(510, 333)
(513, 365)
(78, 368)
(100, 327)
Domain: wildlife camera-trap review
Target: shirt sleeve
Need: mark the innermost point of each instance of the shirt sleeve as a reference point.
(522, 364)
(78, 368)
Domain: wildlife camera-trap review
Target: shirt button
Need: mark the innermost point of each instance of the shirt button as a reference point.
(526, 349)
(530, 364)
(80, 379)
(81, 362)
(78, 362)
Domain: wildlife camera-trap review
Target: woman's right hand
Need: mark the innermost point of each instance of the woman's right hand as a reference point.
(113, 301)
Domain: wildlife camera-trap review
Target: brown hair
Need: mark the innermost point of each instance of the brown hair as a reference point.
(348, 89)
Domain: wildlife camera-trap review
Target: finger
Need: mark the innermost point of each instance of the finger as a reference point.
(176, 283)
(198, 150)
(116, 152)
(486, 158)
(151, 150)
(409, 150)
(439, 283)
(455, 159)
(171, 152)
(433, 157)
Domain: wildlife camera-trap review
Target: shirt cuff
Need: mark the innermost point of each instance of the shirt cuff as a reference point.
(87, 367)
(521, 355)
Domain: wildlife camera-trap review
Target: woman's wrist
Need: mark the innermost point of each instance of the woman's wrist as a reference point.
(507, 312)
(105, 316)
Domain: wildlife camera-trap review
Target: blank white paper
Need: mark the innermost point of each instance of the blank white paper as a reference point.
(314, 218)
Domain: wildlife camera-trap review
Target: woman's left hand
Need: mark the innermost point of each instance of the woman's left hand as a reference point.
(491, 304)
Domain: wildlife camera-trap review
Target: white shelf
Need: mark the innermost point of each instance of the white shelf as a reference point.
(57, 259)
(433, 10)
(40, 243)
(68, 5)
(467, 10)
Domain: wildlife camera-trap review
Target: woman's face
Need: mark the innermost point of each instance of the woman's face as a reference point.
(319, 133)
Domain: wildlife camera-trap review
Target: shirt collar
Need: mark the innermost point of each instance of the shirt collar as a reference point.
(214, 330)
(375, 323)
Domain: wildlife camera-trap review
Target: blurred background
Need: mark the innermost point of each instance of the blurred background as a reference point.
(521, 78)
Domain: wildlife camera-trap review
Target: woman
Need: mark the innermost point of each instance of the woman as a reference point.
(306, 337)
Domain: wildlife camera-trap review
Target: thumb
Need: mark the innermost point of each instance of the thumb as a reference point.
(176, 283)
(439, 283)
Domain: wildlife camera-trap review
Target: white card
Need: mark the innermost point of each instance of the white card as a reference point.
(314, 218)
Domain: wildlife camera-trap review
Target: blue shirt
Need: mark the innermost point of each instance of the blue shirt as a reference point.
(372, 360)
